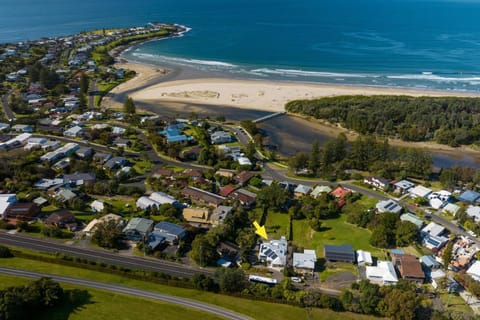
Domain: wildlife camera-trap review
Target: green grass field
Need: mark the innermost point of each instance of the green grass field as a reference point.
(254, 309)
(106, 305)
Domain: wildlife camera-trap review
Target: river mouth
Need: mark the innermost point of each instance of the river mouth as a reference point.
(288, 134)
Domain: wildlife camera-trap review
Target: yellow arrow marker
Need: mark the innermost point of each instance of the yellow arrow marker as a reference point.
(260, 230)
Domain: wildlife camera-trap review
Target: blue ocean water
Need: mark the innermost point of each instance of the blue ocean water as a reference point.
(408, 43)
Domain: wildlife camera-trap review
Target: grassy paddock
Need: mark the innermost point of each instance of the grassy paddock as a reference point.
(245, 306)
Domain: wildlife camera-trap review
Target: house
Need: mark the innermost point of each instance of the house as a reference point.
(452, 209)
(173, 134)
(60, 153)
(474, 271)
(48, 183)
(318, 190)
(243, 177)
(35, 143)
(74, 132)
(246, 198)
(469, 196)
(376, 182)
(364, 258)
(92, 225)
(342, 253)
(97, 206)
(61, 219)
(227, 190)
(80, 178)
(145, 202)
(61, 165)
(115, 162)
(429, 263)
(439, 198)
(4, 127)
(220, 137)
(409, 267)
(22, 211)
(6, 200)
(388, 206)
(163, 172)
(64, 195)
(102, 158)
(138, 228)
(40, 201)
(84, 152)
(197, 215)
(170, 231)
(192, 153)
(15, 142)
(122, 143)
(420, 192)
(383, 273)
(22, 128)
(340, 192)
(301, 190)
(274, 252)
(163, 198)
(229, 253)
(193, 173)
(220, 213)
(304, 263)
(473, 212)
(202, 196)
(225, 173)
(118, 131)
(432, 236)
(244, 161)
(403, 186)
(410, 217)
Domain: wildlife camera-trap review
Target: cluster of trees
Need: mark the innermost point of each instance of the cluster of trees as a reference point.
(109, 235)
(387, 229)
(48, 78)
(447, 120)
(236, 228)
(26, 302)
(399, 302)
(365, 153)
(325, 206)
(83, 94)
(459, 176)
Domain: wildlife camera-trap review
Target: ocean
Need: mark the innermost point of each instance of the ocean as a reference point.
(431, 44)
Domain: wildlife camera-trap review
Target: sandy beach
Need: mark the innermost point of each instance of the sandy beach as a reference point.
(155, 84)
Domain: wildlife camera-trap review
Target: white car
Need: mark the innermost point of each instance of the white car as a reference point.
(296, 279)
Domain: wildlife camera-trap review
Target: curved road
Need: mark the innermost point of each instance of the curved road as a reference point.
(130, 291)
(134, 262)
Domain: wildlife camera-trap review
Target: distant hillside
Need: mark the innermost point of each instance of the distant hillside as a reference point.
(447, 120)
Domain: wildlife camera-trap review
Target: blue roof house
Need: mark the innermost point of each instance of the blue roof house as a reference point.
(469, 196)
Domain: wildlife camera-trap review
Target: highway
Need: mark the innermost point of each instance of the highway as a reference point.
(133, 262)
(132, 292)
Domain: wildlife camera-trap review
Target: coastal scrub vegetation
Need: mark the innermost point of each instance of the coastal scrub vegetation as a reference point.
(366, 153)
(447, 120)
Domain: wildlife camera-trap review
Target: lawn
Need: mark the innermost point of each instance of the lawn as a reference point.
(107, 305)
(334, 231)
(455, 302)
(141, 167)
(245, 306)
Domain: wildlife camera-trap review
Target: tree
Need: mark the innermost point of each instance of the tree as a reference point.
(406, 233)
(399, 305)
(273, 196)
(84, 84)
(314, 159)
(108, 235)
(129, 106)
(230, 280)
(203, 252)
(5, 252)
(250, 150)
(447, 254)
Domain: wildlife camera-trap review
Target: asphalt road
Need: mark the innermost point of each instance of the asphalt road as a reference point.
(192, 304)
(134, 262)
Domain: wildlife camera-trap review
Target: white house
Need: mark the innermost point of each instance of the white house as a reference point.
(220, 137)
(383, 274)
(474, 212)
(403, 186)
(274, 252)
(432, 236)
(5, 201)
(244, 161)
(4, 127)
(364, 258)
(388, 206)
(162, 198)
(420, 192)
(75, 131)
(474, 271)
(145, 202)
(452, 209)
(304, 262)
(97, 205)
